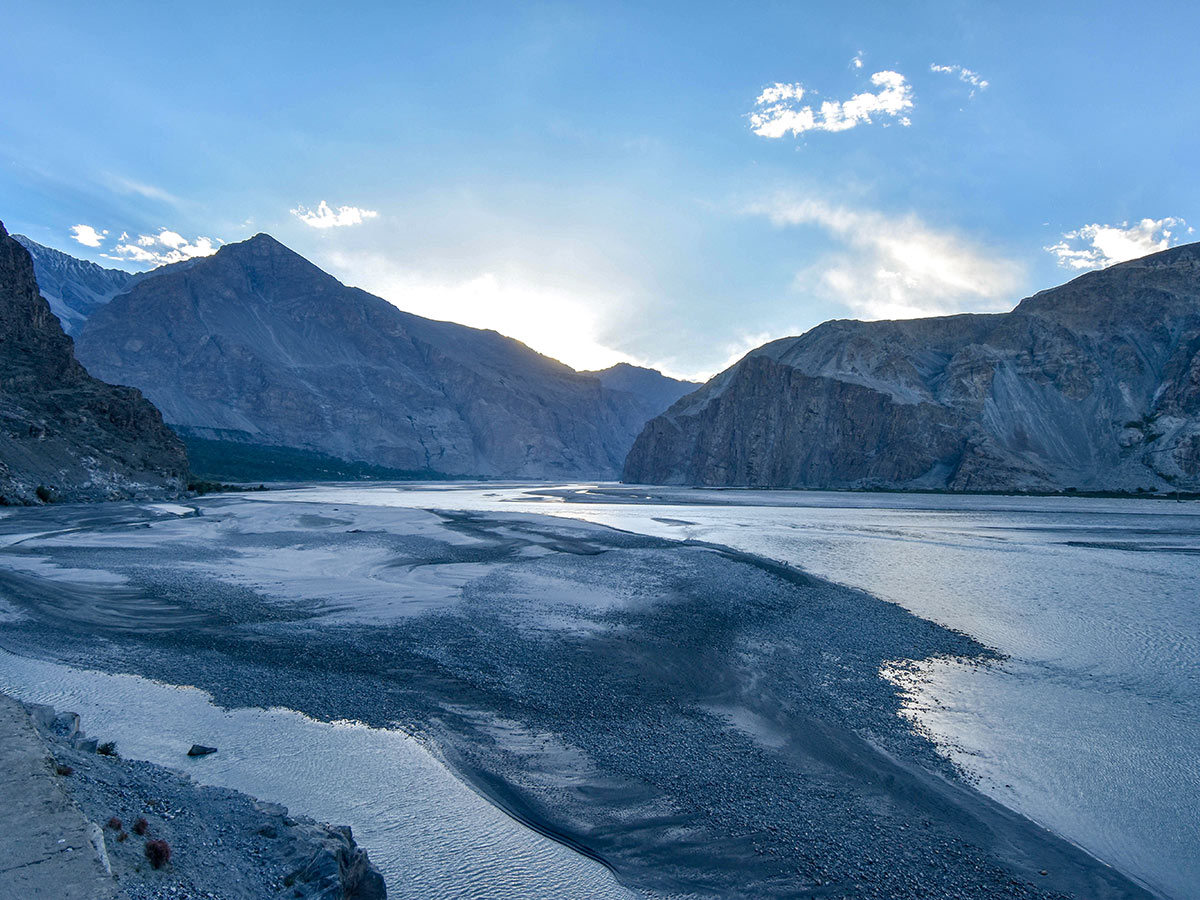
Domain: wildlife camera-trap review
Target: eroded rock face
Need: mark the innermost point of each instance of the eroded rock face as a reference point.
(65, 435)
(256, 344)
(1093, 385)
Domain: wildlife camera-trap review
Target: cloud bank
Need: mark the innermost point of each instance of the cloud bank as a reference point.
(1096, 246)
(325, 216)
(897, 267)
(778, 109)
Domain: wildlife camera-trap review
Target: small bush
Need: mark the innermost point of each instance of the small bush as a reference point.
(122, 837)
(141, 826)
(108, 748)
(44, 494)
(158, 852)
(61, 769)
(114, 823)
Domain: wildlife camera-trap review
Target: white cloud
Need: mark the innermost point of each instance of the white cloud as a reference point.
(324, 216)
(1095, 246)
(857, 62)
(778, 109)
(966, 76)
(160, 249)
(87, 235)
(897, 267)
(562, 322)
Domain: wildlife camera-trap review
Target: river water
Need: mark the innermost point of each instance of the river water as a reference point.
(429, 834)
(1090, 725)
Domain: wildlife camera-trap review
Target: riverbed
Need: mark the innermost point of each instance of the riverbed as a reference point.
(456, 632)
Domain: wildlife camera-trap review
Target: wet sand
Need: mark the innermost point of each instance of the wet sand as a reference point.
(704, 722)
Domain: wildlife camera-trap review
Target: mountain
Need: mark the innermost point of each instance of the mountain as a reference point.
(64, 434)
(654, 390)
(1093, 385)
(255, 348)
(74, 287)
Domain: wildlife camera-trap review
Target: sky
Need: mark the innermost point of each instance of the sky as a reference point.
(664, 184)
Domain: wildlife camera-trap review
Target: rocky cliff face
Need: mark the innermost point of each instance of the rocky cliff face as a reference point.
(257, 345)
(74, 287)
(64, 434)
(1093, 385)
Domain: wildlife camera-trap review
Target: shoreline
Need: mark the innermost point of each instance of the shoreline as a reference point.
(218, 842)
(531, 698)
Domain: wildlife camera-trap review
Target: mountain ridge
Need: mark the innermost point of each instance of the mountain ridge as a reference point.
(261, 345)
(1091, 385)
(74, 287)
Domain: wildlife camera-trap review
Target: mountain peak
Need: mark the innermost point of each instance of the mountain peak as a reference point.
(261, 244)
(262, 259)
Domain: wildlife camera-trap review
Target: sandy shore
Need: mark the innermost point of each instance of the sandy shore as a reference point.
(705, 722)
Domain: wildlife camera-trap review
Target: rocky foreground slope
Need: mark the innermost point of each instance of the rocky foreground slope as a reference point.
(64, 434)
(1093, 385)
(84, 820)
(256, 346)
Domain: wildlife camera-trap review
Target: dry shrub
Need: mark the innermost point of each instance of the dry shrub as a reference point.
(158, 852)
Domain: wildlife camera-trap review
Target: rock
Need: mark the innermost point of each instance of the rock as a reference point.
(66, 724)
(96, 838)
(276, 810)
(338, 868)
(201, 750)
(1093, 385)
(65, 435)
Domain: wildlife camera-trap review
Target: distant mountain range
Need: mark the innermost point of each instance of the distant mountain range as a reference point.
(74, 287)
(1094, 385)
(653, 390)
(267, 365)
(65, 435)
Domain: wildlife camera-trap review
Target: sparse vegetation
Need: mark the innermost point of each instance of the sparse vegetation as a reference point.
(61, 769)
(237, 460)
(141, 826)
(202, 487)
(158, 852)
(45, 494)
(108, 748)
(114, 823)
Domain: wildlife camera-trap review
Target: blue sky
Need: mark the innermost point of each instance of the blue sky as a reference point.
(670, 186)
